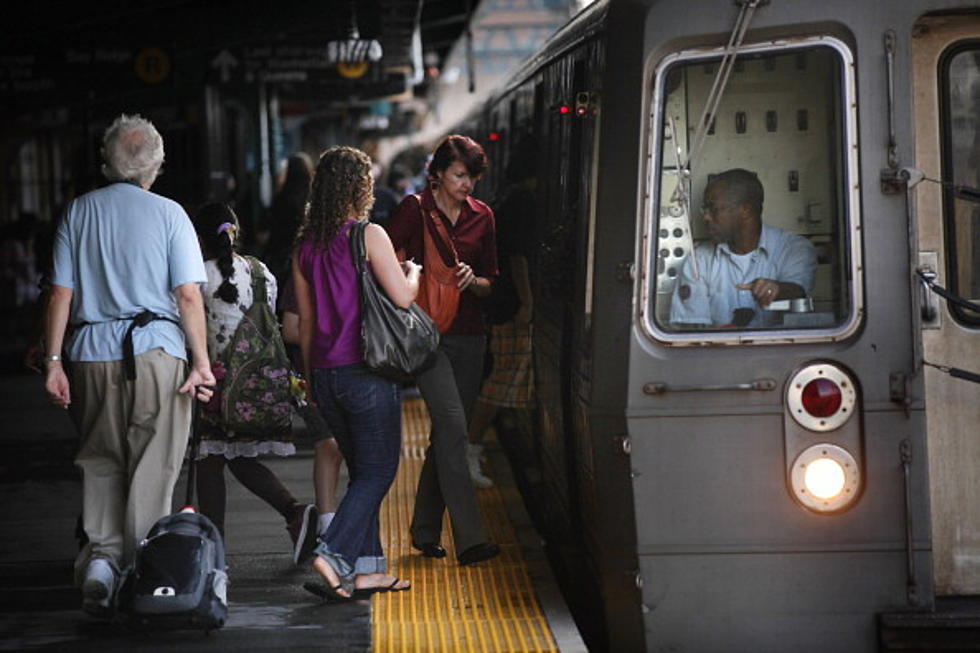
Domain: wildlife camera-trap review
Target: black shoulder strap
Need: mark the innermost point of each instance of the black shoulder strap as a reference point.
(358, 250)
(139, 320)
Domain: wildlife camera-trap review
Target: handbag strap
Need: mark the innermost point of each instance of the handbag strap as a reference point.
(358, 251)
(440, 226)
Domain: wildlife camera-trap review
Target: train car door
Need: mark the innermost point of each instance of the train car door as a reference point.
(946, 78)
(768, 483)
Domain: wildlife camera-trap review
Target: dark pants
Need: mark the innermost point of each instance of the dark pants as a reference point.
(450, 389)
(250, 472)
(364, 413)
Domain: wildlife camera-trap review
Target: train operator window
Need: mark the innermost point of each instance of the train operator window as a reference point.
(758, 242)
(960, 72)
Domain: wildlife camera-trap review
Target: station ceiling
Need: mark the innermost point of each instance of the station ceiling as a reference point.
(52, 51)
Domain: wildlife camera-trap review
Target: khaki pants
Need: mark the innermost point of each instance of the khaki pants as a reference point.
(133, 438)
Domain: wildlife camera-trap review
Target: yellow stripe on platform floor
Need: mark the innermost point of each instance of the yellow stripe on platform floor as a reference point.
(487, 607)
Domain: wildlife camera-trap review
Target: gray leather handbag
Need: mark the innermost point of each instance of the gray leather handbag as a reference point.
(397, 343)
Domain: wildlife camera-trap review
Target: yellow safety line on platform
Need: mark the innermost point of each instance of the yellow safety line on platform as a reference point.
(487, 607)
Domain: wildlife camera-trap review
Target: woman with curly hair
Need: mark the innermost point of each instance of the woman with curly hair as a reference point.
(362, 409)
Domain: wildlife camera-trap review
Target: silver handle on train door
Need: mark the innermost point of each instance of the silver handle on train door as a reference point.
(659, 387)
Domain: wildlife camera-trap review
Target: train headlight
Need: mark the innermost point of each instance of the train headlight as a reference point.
(821, 397)
(825, 478)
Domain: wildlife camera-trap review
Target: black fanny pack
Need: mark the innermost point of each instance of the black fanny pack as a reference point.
(138, 320)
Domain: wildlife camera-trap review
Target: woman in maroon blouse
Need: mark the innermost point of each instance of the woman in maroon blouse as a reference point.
(451, 386)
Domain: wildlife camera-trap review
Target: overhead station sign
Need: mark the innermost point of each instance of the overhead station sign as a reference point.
(27, 76)
(283, 62)
(311, 64)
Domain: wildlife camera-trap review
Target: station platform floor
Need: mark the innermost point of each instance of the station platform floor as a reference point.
(510, 603)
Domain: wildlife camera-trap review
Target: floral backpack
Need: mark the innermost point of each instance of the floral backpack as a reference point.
(254, 371)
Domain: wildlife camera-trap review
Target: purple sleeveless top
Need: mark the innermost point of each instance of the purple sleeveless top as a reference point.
(336, 300)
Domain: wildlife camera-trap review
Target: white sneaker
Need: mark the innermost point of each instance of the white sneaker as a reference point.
(100, 580)
(473, 454)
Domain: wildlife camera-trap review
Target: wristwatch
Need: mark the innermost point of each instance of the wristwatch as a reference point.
(52, 357)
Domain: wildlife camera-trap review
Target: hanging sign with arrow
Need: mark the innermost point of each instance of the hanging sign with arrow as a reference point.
(280, 62)
(224, 63)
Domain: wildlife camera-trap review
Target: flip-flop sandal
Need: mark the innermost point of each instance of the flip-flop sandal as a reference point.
(368, 591)
(327, 593)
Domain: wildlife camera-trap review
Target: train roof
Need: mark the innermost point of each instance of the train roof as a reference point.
(582, 26)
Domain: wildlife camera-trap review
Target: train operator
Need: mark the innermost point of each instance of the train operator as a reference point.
(747, 266)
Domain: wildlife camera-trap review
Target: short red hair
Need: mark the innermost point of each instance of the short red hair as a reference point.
(458, 148)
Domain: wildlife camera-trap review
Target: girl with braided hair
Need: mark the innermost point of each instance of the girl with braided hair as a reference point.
(227, 295)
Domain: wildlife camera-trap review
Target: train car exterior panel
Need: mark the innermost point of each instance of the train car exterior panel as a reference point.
(954, 448)
(717, 484)
(676, 456)
(767, 604)
(694, 458)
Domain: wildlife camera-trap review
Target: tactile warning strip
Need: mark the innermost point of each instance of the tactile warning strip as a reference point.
(488, 607)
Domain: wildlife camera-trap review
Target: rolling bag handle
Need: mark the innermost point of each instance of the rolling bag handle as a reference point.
(192, 465)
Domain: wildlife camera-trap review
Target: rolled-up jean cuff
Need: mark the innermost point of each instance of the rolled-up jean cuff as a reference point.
(341, 566)
(371, 565)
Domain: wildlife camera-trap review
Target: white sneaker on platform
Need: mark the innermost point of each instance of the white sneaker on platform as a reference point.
(474, 452)
(98, 586)
(100, 579)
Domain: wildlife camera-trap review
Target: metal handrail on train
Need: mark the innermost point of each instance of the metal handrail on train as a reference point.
(928, 279)
(659, 387)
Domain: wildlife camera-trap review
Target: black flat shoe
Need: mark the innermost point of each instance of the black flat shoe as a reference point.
(478, 553)
(430, 550)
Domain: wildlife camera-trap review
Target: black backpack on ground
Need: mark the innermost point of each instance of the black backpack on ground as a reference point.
(178, 578)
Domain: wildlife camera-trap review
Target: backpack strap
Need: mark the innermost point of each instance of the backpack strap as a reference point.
(258, 280)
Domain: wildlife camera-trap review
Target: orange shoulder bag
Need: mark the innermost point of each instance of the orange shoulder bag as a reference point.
(438, 294)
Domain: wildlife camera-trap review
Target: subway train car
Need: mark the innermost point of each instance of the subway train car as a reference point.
(711, 470)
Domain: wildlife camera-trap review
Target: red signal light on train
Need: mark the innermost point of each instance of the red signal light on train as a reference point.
(564, 109)
(493, 136)
(821, 397)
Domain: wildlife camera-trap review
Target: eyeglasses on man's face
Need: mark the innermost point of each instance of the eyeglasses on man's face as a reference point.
(713, 208)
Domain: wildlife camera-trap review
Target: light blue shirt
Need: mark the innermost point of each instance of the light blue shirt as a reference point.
(712, 299)
(123, 250)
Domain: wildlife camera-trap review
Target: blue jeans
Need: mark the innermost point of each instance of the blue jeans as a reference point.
(364, 412)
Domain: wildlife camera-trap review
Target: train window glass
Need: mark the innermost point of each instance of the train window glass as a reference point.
(961, 77)
(761, 238)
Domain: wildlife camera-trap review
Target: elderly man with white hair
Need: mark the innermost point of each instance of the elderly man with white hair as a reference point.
(124, 295)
